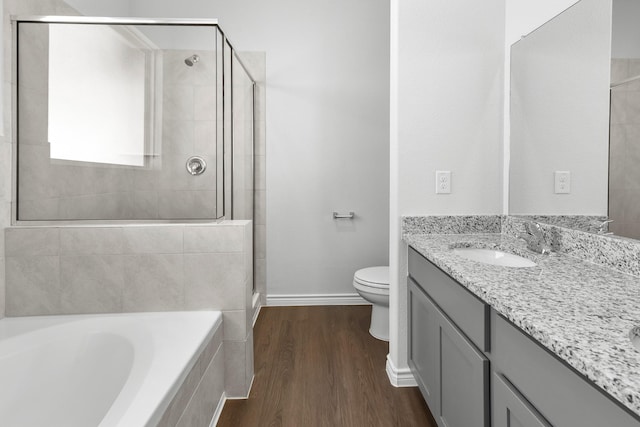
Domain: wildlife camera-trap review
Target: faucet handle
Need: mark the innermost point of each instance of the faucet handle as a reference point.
(603, 227)
(533, 228)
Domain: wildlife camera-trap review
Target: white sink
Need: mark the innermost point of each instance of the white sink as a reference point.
(494, 257)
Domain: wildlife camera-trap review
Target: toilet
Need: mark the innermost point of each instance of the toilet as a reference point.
(372, 284)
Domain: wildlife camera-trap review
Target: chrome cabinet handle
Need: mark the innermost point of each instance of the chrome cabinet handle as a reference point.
(350, 215)
(196, 165)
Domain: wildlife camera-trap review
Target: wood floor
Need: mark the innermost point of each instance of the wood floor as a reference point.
(318, 366)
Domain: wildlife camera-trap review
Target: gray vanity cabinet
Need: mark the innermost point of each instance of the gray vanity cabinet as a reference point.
(564, 397)
(510, 409)
(452, 373)
(454, 337)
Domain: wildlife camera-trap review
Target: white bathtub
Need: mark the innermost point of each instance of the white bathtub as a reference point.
(97, 370)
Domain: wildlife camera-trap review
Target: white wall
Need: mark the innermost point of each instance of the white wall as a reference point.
(524, 16)
(431, 96)
(327, 130)
(446, 109)
(101, 8)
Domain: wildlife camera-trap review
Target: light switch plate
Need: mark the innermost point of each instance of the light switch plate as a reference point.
(443, 182)
(562, 182)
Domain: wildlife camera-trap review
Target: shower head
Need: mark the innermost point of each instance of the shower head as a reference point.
(193, 59)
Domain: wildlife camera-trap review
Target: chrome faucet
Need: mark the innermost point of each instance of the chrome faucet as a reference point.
(603, 228)
(534, 238)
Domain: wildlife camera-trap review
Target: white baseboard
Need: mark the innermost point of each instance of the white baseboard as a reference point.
(315, 299)
(218, 411)
(400, 377)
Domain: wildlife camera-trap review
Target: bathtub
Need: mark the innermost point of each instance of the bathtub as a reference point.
(97, 370)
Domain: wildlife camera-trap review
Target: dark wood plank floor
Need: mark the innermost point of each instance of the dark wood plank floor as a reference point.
(318, 366)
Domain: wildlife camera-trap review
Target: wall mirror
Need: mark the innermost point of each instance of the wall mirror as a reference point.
(109, 116)
(575, 107)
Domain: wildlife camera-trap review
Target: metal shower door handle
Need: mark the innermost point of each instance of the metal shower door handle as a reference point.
(196, 165)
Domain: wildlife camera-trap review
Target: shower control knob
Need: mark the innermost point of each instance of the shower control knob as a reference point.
(196, 165)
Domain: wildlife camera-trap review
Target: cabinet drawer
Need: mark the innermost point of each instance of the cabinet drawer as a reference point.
(468, 312)
(561, 395)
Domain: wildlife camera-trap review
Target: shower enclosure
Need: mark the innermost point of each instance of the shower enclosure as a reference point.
(131, 120)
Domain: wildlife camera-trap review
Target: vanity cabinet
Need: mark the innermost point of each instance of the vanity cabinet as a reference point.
(561, 395)
(509, 408)
(452, 373)
(476, 368)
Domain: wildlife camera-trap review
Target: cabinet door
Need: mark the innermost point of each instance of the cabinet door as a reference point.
(511, 409)
(423, 344)
(464, 380)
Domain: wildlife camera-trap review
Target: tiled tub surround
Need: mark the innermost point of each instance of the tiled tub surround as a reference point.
(579, 310)
(162, 369)
(155, 267)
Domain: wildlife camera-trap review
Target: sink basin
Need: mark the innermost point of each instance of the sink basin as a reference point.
(634, 336)
(494, 257)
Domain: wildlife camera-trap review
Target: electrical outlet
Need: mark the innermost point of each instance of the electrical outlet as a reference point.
(443, 182)
(562, 182)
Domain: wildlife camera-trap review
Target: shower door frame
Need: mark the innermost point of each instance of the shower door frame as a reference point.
(227, 204)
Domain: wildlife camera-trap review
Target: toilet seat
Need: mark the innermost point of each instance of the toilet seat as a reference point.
(372, 279)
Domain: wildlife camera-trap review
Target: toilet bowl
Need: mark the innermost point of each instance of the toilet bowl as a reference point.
(373, 285)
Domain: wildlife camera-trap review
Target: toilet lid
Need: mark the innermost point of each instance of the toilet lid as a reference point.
(373, 275)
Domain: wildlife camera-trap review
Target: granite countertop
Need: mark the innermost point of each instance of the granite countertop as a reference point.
(580, 311)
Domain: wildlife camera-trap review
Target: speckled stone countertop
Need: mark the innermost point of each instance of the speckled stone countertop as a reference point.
(580, 311)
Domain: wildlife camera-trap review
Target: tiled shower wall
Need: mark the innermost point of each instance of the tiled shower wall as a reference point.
(14, 7)
(255, 61)
(624, 155)
(115, 269)
(52, 190)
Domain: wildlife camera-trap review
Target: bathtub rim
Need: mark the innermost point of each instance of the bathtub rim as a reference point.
(152, 417)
